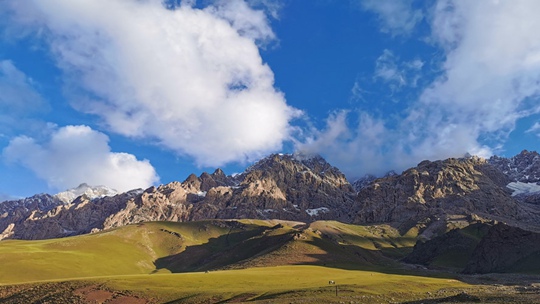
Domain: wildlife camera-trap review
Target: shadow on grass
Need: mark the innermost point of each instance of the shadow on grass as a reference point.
(226, 250)
(272, 246)
(339, 252)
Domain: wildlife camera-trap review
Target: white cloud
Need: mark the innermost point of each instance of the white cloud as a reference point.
(534, 129)
(386, 69)
(190, 79)
(18, 93)
(357, 91)
(396, 73)
(490, 78)
(249, 23)
(19, 99)
(355, 150)
(397, 17)
(491, 72)
(77, 154)
(272, 7)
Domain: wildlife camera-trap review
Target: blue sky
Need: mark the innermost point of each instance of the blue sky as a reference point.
(130, 94)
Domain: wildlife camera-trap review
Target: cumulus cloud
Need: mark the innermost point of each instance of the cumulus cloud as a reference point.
(354, 149)
(78, 154)
(491, 72)
(397, 17)
(190, 79)
(490, 78)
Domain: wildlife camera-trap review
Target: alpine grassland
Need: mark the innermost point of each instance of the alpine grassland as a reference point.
(220, 261)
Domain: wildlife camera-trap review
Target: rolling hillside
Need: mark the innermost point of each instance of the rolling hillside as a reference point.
(220, 261)
(164, 247)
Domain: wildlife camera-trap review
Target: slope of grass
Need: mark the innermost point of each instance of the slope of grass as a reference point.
(131, 249)
(383, 238)
(283, 284)
(277, 282)
(164, 247)
(273, 262)
(466, 240)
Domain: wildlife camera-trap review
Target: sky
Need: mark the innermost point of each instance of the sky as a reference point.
(135, 93)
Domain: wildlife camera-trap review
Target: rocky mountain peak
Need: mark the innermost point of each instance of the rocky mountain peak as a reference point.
(216, 179)
(192, 182)
(438, 191)
(368, 179)
(524, 167)
(363, 182)
(218, 173)
(439, 194)
(42, 202)
(287, 169)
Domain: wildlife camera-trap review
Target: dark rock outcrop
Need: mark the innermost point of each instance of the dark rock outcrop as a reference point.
(506, 249)
(452, 249)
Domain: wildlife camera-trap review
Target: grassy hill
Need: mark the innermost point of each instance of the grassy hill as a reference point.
(219, 261)
(280, 284)
(134, 249)
(164, 247)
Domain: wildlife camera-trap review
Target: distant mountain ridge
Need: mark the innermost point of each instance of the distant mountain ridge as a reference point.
(523, 167)
(291, 187)
(441, 195)
(432, 197)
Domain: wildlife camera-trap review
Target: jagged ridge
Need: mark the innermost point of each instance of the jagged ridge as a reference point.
(279, 186)
(432, 197)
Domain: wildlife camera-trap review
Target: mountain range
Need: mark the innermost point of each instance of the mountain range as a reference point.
(429, 200)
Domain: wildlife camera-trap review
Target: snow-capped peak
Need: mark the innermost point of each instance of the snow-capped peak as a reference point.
(90, 191)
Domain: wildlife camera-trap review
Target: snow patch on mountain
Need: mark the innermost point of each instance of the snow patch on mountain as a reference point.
(316, 211)
(91, 192)
(523, 188)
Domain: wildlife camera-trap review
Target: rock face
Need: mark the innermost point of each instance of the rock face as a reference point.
(363, 182)
(368, 179)
(440, 194)
(523, 174)
(290, 187)
(524, 167)
(77, 217)
(506, 249)
(17, 211)
(433, 197)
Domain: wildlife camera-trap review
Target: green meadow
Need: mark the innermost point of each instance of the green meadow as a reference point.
(218, 262)
(282, 282)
